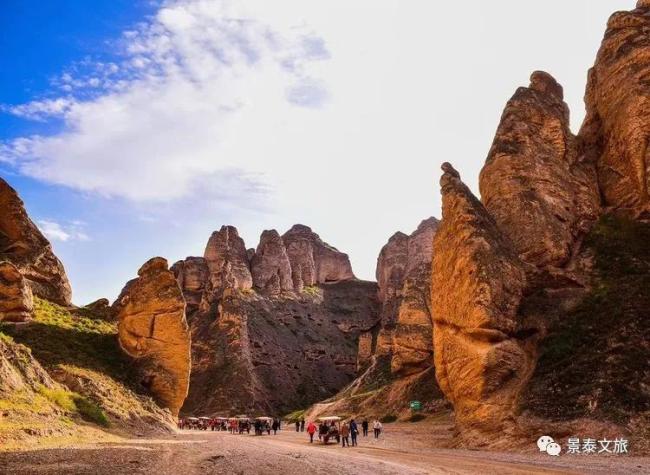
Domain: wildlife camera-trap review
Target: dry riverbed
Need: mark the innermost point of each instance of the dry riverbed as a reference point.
(402, 449)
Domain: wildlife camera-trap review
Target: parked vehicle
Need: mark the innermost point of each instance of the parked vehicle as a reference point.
(329, 427)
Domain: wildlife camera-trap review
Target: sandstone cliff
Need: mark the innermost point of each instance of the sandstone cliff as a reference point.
(547, 265)
(153, 330)
(281, 340)
(22, 244)
(482, 353)
(618, 111)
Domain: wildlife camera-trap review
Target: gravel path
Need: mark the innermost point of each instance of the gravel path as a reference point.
(290, 453)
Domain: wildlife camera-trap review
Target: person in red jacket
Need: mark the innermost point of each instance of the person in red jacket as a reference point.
(311, 429)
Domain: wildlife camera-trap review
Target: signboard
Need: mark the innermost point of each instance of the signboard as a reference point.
(415, 405)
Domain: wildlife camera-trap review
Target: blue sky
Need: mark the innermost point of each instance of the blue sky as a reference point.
(135, 128)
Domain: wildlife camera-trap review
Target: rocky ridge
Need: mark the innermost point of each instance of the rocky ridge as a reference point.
(22, 244)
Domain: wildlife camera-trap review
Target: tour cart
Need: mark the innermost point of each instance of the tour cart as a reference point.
(218, 423)
(263, 424)
(329, 427)
(204, 422)
(243, 424)
(192, 423)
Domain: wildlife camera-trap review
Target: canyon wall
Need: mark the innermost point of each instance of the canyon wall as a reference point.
(275, 328)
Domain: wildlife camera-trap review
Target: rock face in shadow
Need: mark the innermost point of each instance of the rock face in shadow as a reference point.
(534, 183)
(288, 340)
(482, 358)
(616, 127)
(16, 301)
(22, 244)
(152, 329)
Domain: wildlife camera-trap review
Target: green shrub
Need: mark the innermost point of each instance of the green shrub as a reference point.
(417, 417)
(90, 411)
(388, 418)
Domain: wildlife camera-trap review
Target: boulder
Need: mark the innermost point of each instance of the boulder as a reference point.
(482, 356)
(227, 260)
(312, 260)
(153, 330)
(615, 130)
(16, 301)
(22, 244)
(534, 183)
(270, 264)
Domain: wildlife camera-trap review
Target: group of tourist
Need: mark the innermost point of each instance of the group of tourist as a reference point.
(347, 432)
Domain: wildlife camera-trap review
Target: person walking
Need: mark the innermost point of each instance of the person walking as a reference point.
(345, 435)
(377, 428)
(275, 426)
(364, 426)
(354, 431)
(311, 430)
(297, 426)
(302, 425)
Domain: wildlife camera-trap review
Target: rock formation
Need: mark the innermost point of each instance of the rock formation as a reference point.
(193, 278)
(287, 341)
(534, 182)
(313, 261)
(618, 111)
(16, 301)
(22, 244)
(227, 261)
(482, 357)
(153, 330)
(270, 264)
(412, 347)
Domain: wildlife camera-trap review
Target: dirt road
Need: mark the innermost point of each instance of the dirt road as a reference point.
(289, 452)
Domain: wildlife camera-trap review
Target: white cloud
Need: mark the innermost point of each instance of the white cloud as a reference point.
(332, 113)
(54, 231)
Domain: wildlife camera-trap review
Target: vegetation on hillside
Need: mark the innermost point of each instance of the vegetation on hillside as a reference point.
(55, 336)
(595, 360)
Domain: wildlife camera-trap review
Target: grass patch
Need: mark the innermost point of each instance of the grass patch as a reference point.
(55, 336)
(295, 415)
(75, 403)
(311, 290)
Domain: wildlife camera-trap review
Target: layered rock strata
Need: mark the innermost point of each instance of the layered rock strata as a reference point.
(153, 330)
(22, 244)
(615, 130)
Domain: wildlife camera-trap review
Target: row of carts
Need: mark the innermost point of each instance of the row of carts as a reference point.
(234, 425)
(329, 427)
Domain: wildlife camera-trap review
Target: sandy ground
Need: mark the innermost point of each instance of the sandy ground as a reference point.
(401, 450)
